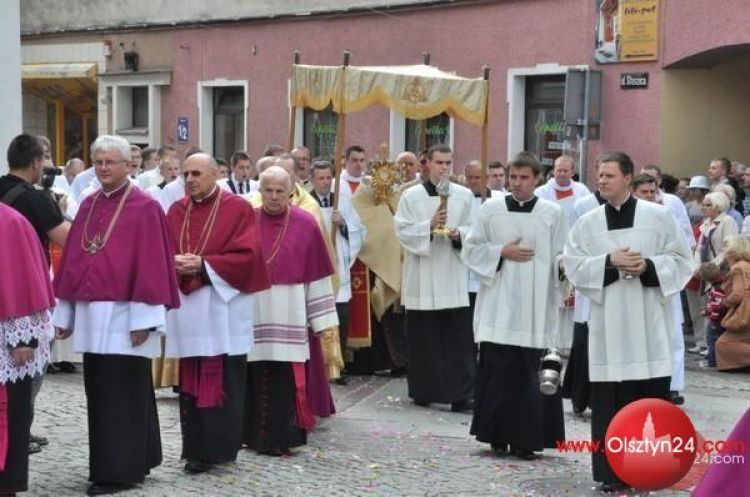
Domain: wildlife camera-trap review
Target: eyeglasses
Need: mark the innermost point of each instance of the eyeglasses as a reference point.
(107, 163)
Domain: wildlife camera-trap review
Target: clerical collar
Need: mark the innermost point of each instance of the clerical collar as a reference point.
(109, 194)
(515, 205)
(210, 195)
(628, 199)
(430, 187)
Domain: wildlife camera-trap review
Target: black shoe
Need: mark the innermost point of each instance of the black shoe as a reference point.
(675, 398)
(108, 488)
(342, 380)
(66, 367)
(40, 441)
(382, 373)
(499, 448)
(524, 454)
(274, 452)
(421, 403)
(398, 372)
(578, 410)
(34, 448)
(196, 467)
(463, 406)
(611, 487)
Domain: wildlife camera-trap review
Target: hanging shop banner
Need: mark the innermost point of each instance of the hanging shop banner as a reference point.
(626, 31)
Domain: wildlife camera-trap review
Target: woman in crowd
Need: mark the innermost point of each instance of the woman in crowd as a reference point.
(733, 347)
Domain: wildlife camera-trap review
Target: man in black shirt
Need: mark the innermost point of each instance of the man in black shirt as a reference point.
(26, 160)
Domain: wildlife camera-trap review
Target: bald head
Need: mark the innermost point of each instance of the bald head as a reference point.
(473, 174)
(72, 168)
(409, 165)
(201, 172)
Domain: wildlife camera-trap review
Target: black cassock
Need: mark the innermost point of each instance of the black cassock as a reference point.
(124, 440)
(15, 476)
(214, 434)
(270, 418)
(608, 397)
(509, 408)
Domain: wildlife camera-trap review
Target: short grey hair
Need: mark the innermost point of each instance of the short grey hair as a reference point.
(718, 200)
(275, 173)
(108, 143)
(265, 162)
(728, 191)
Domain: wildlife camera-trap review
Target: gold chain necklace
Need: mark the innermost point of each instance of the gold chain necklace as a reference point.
(205, 232)
(93, 245)
(277, 243)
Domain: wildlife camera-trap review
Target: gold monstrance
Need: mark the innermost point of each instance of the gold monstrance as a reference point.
(385, 178)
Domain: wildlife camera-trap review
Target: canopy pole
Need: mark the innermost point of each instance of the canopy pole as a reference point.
(485, 132)
(340, 136)
(292, 108)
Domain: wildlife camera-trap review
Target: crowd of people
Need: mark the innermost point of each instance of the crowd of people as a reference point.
(249, 287)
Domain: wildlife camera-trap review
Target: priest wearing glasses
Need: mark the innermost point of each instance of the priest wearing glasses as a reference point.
(220, 265)
(116, 278)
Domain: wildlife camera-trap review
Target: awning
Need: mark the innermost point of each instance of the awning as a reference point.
(73, 84)
(85, 70)
(416, 91)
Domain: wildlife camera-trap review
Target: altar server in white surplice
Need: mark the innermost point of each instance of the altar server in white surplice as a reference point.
(576, 384)
(516, 247)
(474, 177)
(679, 211)
(564, 191)
(434, 287)
(629, 257)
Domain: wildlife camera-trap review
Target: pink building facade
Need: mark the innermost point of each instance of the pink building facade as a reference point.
(227, 83)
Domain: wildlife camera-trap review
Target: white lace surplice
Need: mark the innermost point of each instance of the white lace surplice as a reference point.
(22, 330)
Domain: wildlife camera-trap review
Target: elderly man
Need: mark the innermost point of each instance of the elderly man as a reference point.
(629, 251)
(409, 166)
(116, 277)
(435, 287)
(277, 413)
(220, 265)
(302, 155)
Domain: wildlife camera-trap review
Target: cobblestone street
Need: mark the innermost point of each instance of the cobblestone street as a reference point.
(378, 444)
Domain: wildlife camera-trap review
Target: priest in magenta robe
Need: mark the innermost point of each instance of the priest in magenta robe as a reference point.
(26, 298)
(278, 414)
(116, 278)
(220, 265)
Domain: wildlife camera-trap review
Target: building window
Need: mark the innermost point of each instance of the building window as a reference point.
(545, 126)
(425, 133)
(229, 120)
(140, 106)
(320, 132)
